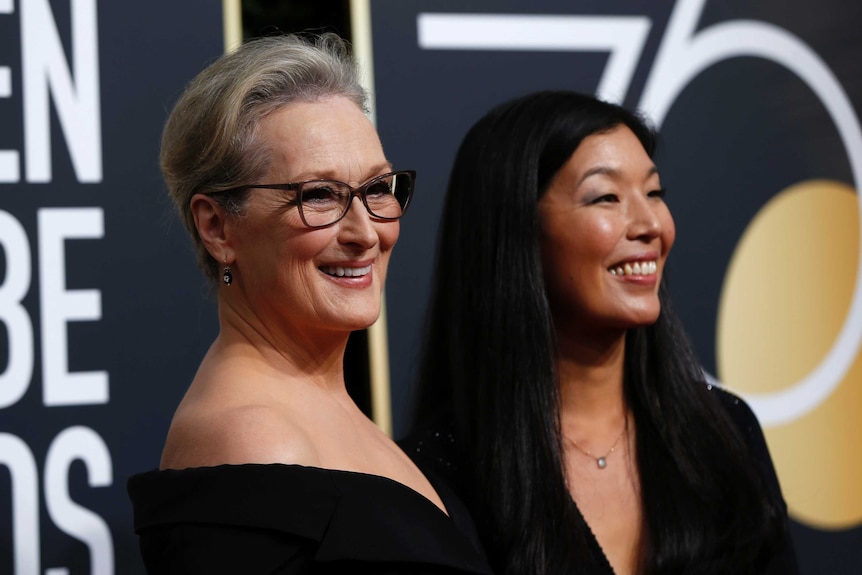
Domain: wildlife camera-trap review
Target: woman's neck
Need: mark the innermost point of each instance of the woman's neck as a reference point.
(590, 372)
(313, 357)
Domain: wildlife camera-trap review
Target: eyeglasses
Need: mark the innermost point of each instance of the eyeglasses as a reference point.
(322, 203)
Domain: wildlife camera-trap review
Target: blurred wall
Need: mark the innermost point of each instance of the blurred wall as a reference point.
(104, 316)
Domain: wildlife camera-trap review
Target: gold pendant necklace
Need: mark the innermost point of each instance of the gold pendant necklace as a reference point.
(601, 461)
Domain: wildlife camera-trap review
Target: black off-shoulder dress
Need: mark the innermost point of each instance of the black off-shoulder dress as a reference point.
(291, 519)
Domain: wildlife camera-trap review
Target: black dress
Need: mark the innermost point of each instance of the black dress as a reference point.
(288, 519)
(433, 449)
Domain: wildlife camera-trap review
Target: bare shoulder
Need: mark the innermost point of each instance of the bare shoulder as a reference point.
(234, 435)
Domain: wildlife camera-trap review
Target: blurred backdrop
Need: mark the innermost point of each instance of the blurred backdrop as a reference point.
(104, 317)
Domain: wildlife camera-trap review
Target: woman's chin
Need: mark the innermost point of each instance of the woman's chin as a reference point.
(642, 317)
(357, 321)
(645, 318)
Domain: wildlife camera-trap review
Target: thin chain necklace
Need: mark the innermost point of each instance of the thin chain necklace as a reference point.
(601, 461)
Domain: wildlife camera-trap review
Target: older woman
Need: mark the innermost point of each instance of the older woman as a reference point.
(269, 466)
(585, 438)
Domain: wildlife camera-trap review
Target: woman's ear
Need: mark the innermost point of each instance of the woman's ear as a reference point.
(210, 219)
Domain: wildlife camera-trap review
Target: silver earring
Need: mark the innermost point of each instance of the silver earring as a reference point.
(226, 275)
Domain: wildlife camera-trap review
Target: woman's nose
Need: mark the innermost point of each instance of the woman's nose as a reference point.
(356, 226)
(645, 223)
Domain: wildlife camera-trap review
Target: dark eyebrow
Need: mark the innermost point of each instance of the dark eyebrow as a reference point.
(611, 172)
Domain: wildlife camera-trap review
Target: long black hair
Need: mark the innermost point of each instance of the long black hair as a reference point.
(488, 357)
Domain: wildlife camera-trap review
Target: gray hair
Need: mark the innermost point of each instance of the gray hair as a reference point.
(210, 141)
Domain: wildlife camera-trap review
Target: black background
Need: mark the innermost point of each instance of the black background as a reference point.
(742, 131)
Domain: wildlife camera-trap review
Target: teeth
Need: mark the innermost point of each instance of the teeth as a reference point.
(345, 272)
(635, 269)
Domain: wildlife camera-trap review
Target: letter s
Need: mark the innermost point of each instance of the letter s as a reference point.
(85, 444)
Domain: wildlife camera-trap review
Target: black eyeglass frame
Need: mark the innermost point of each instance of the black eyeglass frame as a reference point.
(360, 191)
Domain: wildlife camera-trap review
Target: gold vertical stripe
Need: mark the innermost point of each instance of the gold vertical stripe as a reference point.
(378, 346)
(360, 31)
(378, 367)
(232, 21)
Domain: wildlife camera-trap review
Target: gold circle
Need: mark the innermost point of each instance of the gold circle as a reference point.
(784, 300)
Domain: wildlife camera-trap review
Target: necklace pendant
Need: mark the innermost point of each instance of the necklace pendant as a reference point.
(602, 462)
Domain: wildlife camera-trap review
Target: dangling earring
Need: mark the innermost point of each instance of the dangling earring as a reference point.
(226, 276)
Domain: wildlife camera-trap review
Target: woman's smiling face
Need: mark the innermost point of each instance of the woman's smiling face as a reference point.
(328, 278)
(605, 235)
